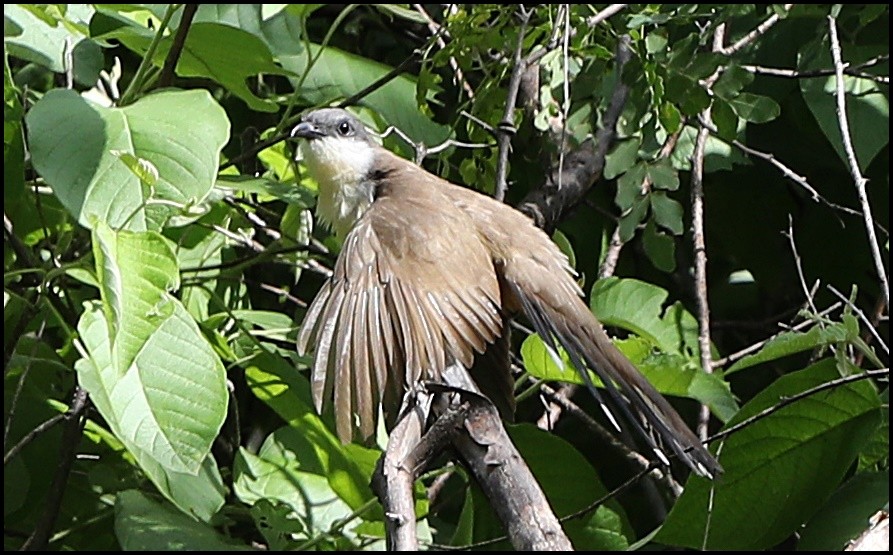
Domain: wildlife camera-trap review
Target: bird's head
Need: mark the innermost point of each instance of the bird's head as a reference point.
(336, 146)
(339, 154)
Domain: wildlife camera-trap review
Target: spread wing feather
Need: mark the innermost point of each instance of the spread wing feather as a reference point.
(374, 328)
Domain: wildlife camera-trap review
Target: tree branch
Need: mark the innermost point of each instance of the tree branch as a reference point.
(858, 179)
(173, 55)
(752, 36)
(71, 435)
(547, 204)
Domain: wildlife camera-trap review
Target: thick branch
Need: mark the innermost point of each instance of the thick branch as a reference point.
(502, 473)
(582, 166)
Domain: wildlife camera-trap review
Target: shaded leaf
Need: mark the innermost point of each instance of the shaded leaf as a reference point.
(145, 525)
(779, 470)
(755, 108)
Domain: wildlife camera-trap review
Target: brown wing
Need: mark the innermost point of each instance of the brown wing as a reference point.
(413, 290)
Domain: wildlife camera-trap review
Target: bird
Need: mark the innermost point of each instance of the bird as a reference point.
(428, 275)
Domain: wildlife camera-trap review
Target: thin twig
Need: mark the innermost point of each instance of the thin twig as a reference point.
(697, 223)
(506, 128)
(71, 435)
(799, 265)
(810, 74)
(856, 173)
(380, 82)
(752, 36)
(173, 55)
(604, 14)
(759, 344)
(862, 317)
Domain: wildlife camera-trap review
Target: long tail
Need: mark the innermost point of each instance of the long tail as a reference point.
(570, 323)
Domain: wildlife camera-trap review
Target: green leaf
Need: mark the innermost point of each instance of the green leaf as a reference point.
(47, 38)
(779, 470)
(72, 143)
(279, 473)
(566, 247)
(399, 11)
(732, 80)
(631, 220)
(663, 176)
(638, 307)
(867, 104)
(551, 460)
(845, 515)
(724, 118)
(274, 381)
(667, 212)
(660, 248)
(755, 108)
(165, 386)
(791, 342)
(629, 186)
(670, 117)
(337, 75)
(622, 158)
(145, 525)
(198, 494)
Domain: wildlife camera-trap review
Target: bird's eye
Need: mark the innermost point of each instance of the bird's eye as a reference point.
(344, 128)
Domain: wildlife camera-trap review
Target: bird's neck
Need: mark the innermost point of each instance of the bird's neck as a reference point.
(342, 202)
(345, 189)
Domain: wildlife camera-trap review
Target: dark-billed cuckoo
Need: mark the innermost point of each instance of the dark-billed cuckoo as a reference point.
(427, 276)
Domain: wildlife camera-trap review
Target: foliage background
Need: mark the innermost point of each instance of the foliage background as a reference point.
(157, 265)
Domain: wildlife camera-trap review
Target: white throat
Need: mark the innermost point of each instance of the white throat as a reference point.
(341, 167)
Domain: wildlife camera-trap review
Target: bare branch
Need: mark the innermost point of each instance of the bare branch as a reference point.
(547, 204)
(752, 36)
(604, 14)
(71, 436)
(795, 74)
(697, 224)
(173, 55)
(393, 481)
(506, 128)
(858, 179)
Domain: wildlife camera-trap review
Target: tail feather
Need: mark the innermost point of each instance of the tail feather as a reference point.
(588, 346)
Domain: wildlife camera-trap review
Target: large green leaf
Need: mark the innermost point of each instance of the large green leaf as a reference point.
(338, 74)
(76, 146)
(142, 524)
(552, 460)
(779, 470)
(791, 342)
(53, 36)
(164, 383)
(847, 512)
(198, 494)
(274, 381)
(282, 472)
(637, 306)
(670, 374)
